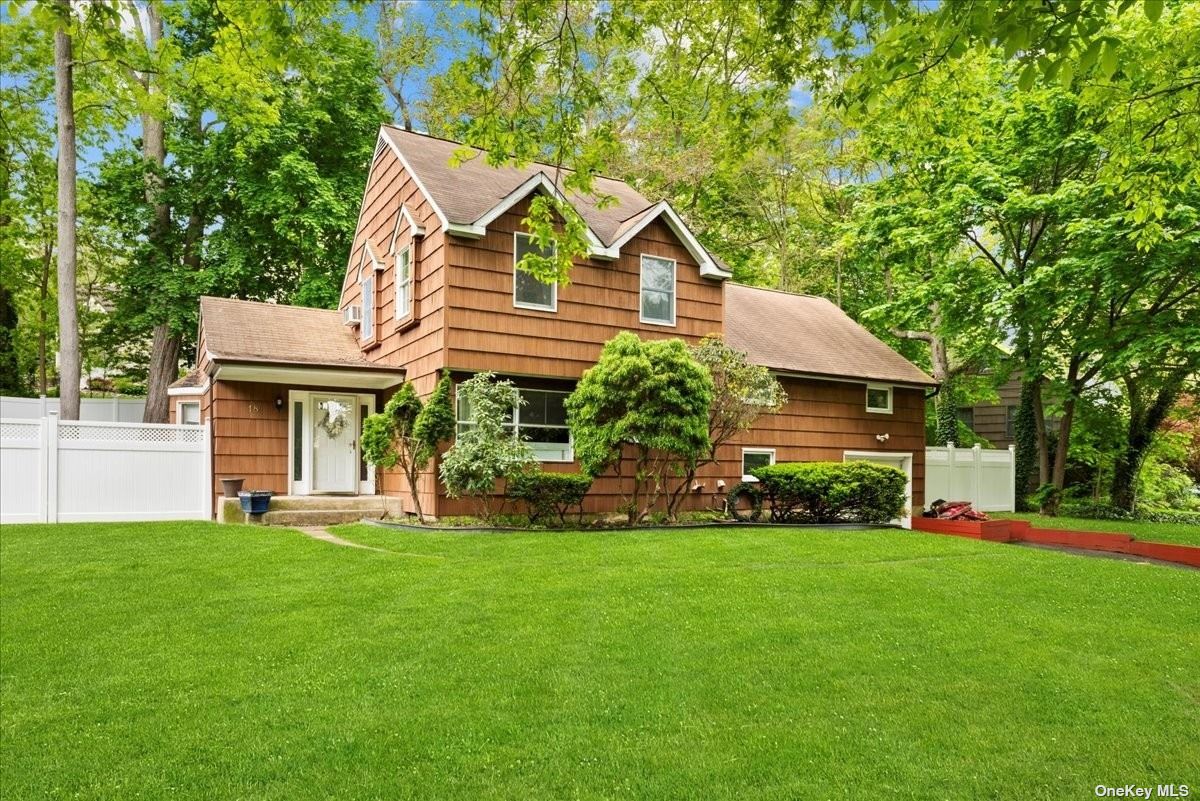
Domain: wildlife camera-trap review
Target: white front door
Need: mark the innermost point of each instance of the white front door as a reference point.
(335, 443)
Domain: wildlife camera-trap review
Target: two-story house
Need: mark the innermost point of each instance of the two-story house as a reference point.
(431, 284)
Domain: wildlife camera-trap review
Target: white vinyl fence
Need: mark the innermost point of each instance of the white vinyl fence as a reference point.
(64, 471)
(987, 478)
(105, 410)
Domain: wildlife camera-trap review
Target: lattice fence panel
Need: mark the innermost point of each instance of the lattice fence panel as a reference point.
(132, 433)
(19, 431)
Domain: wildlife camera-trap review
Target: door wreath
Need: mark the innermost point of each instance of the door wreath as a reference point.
(334, 421)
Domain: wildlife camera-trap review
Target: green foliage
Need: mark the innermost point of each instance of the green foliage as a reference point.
(747, 492)
(1090, 510)
(435, 423)
(548, 494)
(486, 451)
(11, 380)
(651, 398)
(377, 440)
(1163, 481)
(1025, 435)
(405, 435)
(742, 392)
(832, 492)
(946, 422)
(403, 409)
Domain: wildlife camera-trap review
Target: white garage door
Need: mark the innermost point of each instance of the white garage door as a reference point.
(900, 461)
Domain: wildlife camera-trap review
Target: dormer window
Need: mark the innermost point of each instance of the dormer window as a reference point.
(658, 291)
(528, 292)
(404, 284)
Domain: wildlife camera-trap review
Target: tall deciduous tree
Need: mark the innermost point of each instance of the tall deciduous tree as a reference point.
(64, 107)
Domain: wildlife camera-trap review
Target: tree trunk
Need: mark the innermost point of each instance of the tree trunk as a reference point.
(1058, 473)
(1039, 434)
(1144, 420)
(43, 334)
(164, 356)
(68, 317)
(164, 369)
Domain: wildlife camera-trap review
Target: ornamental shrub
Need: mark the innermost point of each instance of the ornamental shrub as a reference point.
(549, 494)
(832, 492)
(643, 406)
(485, 451)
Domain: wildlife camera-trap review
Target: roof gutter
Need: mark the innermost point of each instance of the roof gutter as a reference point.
(849, 379)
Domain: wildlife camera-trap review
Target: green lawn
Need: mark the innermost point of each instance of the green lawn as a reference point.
(1181, 533)
(217, 662)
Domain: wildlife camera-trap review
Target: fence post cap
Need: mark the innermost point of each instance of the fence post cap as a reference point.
(977, 447)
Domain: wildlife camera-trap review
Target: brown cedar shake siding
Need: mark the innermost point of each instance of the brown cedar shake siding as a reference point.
(464, 319)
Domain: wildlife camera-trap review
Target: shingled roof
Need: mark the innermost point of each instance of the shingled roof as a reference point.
(466, 194)
(810, 335)
(249, 331)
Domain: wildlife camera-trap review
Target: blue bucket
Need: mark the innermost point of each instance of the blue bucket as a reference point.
(255, 502)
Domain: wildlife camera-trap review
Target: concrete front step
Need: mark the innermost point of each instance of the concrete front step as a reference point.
(306, 510)
(298, 518)
(295, 502)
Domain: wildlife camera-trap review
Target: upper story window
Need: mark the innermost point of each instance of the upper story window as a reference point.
(367, 330)
(528, 292)
(879, 398)
(540, 420)
(658, 290)
(404, 284)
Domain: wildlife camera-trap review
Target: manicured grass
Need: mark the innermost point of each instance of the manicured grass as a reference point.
(1181, 533)
(218, 662)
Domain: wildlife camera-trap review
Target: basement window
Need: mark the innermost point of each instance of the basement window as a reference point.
(879, 398)
(754, 458)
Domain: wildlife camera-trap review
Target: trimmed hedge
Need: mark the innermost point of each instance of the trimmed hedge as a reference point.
(1090, 510)
(832, 492)
(549, 494)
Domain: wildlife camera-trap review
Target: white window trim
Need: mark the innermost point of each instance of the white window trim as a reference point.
(570, 457)
(769, 451)
(518, 304)
(179, 412)
(405, 252)
(877, 409)
(642, 288)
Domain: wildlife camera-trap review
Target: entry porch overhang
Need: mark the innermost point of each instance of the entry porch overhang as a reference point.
(365, 376)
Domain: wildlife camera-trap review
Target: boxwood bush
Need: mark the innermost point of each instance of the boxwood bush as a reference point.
(549, 494)
(832, 492)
